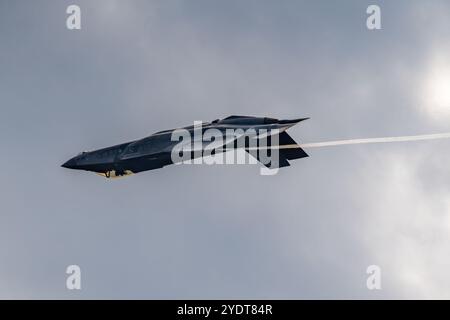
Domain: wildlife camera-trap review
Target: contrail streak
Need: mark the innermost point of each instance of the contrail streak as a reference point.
(376, 140)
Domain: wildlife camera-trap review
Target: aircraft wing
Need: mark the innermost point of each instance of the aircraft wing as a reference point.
(288, 150)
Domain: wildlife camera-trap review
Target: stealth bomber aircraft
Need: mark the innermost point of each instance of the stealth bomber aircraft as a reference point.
(158, 149)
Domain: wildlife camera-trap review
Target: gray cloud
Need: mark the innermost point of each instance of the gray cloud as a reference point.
(222, 231)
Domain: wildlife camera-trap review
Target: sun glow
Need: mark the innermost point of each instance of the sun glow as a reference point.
(437, 89)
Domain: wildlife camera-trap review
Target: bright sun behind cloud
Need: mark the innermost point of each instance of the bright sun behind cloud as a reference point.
(436, 88)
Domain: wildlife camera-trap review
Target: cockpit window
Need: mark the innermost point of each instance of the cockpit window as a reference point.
(270, 120)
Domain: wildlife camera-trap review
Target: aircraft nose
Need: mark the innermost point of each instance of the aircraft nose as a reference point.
(71, 164)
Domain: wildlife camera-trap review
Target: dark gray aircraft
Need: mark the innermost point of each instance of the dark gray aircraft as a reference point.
(156, 151)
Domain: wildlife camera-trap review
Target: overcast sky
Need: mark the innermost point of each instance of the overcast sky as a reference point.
(138, 67)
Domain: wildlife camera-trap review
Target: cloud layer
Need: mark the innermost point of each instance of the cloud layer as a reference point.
(138, 67)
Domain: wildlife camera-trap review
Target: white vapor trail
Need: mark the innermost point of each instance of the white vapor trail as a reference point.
(376, 140)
